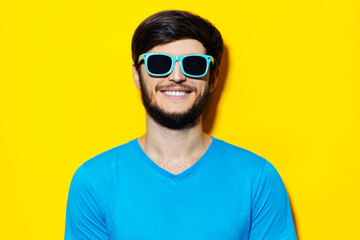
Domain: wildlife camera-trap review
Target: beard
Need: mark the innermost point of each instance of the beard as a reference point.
(174, 120)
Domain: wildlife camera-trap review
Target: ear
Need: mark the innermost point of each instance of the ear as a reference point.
(136, 77)
(215, 81)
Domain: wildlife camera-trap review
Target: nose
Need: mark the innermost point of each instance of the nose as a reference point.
(177, 75)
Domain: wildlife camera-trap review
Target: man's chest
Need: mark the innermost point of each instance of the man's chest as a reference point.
(175, 167)
(189, 211)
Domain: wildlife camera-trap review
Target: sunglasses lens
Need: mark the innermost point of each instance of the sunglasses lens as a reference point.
(195, 65)
(159, 64)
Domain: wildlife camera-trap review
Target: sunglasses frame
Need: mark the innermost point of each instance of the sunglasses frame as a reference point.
(209, 59)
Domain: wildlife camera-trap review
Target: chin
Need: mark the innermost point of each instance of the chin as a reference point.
(176, 111)
(173, 115)
(175, 119)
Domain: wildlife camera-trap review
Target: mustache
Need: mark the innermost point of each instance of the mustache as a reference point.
(173, 85)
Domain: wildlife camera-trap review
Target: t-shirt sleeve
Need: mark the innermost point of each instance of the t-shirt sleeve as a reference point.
(84, 216)
(271, 212)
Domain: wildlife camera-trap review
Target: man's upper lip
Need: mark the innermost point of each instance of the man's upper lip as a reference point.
(176, 89)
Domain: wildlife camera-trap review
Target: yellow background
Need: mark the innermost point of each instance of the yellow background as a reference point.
(289, 92)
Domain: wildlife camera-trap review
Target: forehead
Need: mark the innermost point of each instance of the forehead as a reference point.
(180, 47)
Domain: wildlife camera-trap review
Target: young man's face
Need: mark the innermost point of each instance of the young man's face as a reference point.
(174, 101)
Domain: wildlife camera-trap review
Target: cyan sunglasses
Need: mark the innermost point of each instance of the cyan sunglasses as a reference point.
(191, 65)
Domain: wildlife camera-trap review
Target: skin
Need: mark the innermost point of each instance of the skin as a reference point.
(174, 150)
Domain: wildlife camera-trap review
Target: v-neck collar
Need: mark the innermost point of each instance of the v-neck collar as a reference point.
(175, 178)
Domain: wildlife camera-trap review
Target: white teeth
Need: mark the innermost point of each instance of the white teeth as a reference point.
(175, 93)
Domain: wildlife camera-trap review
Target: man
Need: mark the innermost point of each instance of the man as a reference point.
(176, 182)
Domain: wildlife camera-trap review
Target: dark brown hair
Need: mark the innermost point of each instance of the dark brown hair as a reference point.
(169, 26)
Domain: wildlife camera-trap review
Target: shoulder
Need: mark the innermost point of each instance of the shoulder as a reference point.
(243, 163)
(110, 157)
(238, 155)
(105, 164)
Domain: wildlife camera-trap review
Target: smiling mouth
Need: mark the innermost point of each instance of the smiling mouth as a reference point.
(175, 93)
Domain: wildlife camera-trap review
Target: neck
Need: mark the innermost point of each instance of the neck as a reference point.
(183, 145)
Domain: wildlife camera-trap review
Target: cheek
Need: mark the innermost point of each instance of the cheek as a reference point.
(146, 83)
(204, 84)
(203, 88)
(143, 70)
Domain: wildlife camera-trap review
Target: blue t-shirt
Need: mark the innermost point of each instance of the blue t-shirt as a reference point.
(229, 193)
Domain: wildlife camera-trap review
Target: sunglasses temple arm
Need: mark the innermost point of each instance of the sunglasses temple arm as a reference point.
(140, 59)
